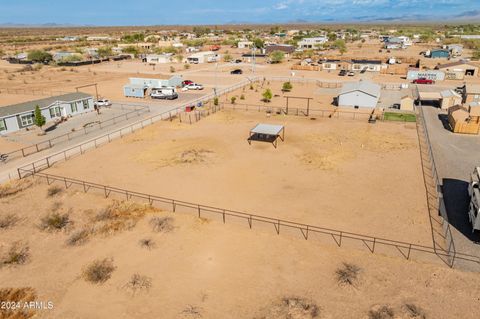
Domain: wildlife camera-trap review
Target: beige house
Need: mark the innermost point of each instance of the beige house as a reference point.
(407, 103)
(458, 70)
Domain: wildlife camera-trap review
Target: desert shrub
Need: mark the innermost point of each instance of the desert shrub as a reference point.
(215, 101)
(54, 190)
(293, 307)
(18, 254)
(251, 87)
(287, 87)
(79, 237)
(186, 66)
(242, 97)
(413, 311)
(161, 224)
(172, 69)
(347, 274)
(381, 312)
(54, 221)
(192, 312)
(147, 243)
(233, 99)
(17, 295)
(119, 216)
(267, 95)
(138, 283)
(99, 271)
(7, 221)
(14, 187)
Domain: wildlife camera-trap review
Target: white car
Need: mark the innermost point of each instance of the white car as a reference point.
(103, 102)
(192, 86)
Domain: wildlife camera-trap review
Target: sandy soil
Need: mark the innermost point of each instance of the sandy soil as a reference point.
(306, 179)
(198, 268)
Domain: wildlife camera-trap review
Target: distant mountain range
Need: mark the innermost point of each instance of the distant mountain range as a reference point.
(462, 17)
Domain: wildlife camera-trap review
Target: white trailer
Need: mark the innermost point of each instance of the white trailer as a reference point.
(474, 192)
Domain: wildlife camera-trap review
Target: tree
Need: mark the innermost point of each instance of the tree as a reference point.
(340, 45)
(258, 43)
(276, 56)
(179, 58)
(39, 56)
(267, 95)
(39, 119)
(105, 52)
(287, 87)
(131, 50)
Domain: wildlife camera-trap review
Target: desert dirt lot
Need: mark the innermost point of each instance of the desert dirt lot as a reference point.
(190, 267)
(307, 179)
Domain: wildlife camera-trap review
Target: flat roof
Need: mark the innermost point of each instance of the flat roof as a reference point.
(267, 129)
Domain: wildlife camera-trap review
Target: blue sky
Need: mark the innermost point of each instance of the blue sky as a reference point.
(158, 12)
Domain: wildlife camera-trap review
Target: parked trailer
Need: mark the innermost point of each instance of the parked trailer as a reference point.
(474, 192)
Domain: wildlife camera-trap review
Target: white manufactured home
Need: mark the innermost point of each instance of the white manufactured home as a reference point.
(19, 116)
(203, 57)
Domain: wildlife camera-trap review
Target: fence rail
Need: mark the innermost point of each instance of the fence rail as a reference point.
(438, 205)
(31, 92)
(43, 145)
(405, 249)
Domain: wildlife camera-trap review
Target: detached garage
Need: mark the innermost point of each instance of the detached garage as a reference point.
(359, 94)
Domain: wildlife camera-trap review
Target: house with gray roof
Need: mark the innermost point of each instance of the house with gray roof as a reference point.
(19, 116)
(364, 94)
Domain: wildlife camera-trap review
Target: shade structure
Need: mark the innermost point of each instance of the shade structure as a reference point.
(269, 133)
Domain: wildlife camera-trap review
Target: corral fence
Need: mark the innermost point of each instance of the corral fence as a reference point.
(435, 201)
(79, 149)
(133, 111)
(31, 92)
(372, 243)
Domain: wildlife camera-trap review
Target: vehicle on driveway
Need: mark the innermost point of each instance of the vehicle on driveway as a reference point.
(103, 102)
(238, 61)
(236, 71)
(186, 82)
(192, 86)
(342, 73)
(423, 81)
(351, 73)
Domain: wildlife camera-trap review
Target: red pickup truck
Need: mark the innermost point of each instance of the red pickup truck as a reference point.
(423, 81)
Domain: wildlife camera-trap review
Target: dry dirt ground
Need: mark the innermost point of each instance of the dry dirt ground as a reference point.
(200, 268)
(339, 174)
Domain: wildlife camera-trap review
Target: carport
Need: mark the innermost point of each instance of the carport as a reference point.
(430, 97)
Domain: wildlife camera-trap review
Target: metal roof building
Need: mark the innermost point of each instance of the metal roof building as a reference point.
(359, 94)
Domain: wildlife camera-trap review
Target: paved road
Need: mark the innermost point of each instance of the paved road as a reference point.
(455, 156)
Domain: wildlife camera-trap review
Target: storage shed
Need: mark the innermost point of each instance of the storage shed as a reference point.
(135, 90)
(407, 103)
(460, 121)
(359, 94)
(449, 99)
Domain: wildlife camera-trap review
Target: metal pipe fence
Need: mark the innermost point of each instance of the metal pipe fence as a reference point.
(372, 243)
(46, 144)
(446, 235)
(31, 92)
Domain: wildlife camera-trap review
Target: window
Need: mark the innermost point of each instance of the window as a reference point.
(73, 106)
(328, 66)
(56, 112)
(85, 104)
(3, 126)
(26, 120)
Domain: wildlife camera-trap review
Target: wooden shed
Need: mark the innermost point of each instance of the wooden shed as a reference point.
(460, 121)
(407, 103)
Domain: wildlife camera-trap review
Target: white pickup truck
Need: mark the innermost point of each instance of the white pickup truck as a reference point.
(167, 93)
(474, 192)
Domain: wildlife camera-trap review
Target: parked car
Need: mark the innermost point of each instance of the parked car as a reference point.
(236, 71)
(351, 73)
(186, 82)
(395, 106)
(342, 73)
(423, 81)
(192, 86)
(238, 61)
(103, 102)
(162, 96)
